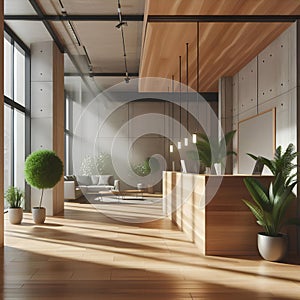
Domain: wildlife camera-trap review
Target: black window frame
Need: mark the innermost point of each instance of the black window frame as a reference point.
(18, 43)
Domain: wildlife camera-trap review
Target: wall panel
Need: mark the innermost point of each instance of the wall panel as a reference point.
(273, 68)
(247, 86)
(41, 92)
(276, 87)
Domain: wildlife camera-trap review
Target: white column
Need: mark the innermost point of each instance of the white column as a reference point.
(47, 114)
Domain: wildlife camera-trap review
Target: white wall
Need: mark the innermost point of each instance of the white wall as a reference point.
(105, 124)
(270, 81)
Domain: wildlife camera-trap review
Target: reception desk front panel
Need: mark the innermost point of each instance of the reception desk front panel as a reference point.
(220, 224)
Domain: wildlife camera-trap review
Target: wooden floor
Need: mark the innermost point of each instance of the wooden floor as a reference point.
(85, 255)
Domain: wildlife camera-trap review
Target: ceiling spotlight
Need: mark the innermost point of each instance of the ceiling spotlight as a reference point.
(127, 79)
(120, 24)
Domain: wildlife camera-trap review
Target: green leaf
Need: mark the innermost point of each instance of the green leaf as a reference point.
(281, 203)
(256, 210)
(203, 136)
(259, 193)
(229, 136)
(252, 156)
(231, 153)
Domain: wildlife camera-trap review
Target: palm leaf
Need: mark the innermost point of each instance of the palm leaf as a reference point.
(204, 152)
(259, 193)
(281, 202)
(231, 153)
(203, 136)
(257, 211)
(229, 136)
(252, 156)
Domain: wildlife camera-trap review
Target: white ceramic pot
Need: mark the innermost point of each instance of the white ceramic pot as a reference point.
(15, 215)
(39, 215)
(272, 248)
(207, 170)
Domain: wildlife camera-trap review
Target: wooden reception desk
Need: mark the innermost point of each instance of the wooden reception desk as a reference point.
(222, 225)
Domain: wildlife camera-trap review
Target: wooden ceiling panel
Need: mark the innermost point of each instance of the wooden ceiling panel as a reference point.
(225, 48)
(223, 7)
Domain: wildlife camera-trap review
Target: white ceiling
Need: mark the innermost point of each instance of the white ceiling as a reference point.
(18, 7)
(104, 45)
(103, 42)
(30, 31)
(96, 7)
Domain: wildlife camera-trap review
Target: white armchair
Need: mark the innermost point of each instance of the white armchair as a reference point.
(71, 191)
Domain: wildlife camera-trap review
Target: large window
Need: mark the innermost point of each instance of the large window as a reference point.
(16, 109)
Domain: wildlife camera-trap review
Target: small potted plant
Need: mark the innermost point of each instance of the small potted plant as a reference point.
(270, 206)
(43, 170)
(14, 197)
(212, 152)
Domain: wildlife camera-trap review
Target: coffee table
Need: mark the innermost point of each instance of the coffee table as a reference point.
(121, 194)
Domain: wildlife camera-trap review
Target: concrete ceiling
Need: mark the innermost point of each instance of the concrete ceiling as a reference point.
(100, 41)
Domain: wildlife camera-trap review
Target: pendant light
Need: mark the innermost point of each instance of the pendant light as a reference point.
(186, 140)
(179, 142)
(171, 148)
(194, 137)
(172, 124)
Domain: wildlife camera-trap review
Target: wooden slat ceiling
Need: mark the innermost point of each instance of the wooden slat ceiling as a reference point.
(223, 7)
(225, 48)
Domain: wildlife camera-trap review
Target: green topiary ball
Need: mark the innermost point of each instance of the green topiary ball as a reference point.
(43, 169)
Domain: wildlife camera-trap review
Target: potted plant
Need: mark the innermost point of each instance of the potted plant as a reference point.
(143, 168)
(43, 170)
(14, 197)
(270, 206)
(212, 152)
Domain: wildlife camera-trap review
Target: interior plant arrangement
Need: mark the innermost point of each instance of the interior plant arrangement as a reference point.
(142, 168)
(100, 164)
(43, 170)
(270, 206)
(14, 197)
(212, 152)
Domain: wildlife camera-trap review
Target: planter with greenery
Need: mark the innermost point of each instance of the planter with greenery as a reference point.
(142, 168)
(14, 197)
(270, 206)
(43, 170)
(212, 152)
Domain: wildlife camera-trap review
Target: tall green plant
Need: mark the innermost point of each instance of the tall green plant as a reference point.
(270, 206)
(14, 197)
(212, 151)
(43, 170)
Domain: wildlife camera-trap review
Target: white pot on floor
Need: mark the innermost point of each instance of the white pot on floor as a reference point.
(272, 248)
(39, 215)
(15, 215)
